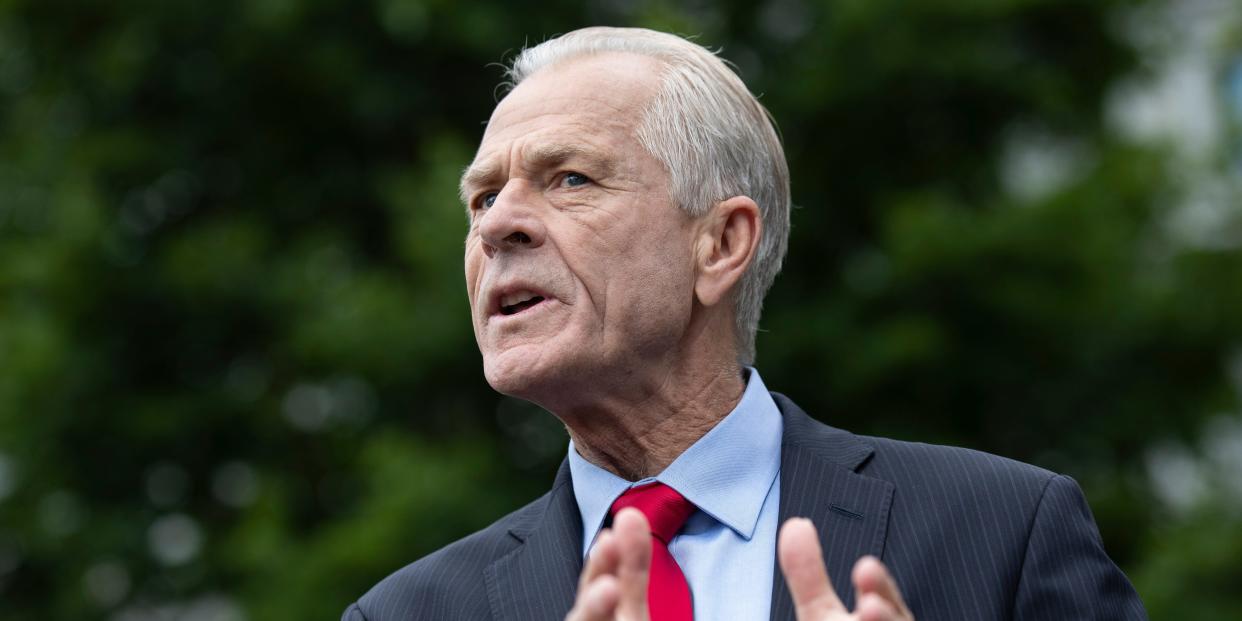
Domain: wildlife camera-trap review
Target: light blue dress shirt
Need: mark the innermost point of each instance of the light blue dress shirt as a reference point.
(727, 549)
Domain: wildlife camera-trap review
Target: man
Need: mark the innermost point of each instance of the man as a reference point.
(629, 208)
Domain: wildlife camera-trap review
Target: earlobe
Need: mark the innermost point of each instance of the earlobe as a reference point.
(728, 240)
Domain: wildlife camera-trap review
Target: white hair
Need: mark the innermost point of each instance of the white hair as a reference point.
(712, 135)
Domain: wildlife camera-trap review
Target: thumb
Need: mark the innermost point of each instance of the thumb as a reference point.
(802, 562)
(633, 540)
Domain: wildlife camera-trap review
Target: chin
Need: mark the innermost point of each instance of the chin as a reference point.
(523, 372)
(550, 377)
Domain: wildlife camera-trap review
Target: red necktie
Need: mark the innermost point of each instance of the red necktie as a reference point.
(668, 593)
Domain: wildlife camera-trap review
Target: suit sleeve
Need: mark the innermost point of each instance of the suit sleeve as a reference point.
(353, 613)
(1066, 574)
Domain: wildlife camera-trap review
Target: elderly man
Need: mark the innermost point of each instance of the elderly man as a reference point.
(629, 208)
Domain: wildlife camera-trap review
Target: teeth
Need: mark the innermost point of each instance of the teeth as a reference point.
(517, 297)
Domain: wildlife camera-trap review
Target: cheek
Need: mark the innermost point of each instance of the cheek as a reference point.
(664, 285)
(473, 272)
(637, 275)
(655, 289)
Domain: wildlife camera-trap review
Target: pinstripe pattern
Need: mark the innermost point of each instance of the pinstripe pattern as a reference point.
(966, 534)
(538, 580)
(523, 566)
(818, 482)
(969, 535)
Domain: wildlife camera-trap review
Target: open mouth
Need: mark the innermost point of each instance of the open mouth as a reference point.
(515, 303)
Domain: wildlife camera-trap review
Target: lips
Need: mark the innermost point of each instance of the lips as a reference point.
(515, 299)
(514, 303)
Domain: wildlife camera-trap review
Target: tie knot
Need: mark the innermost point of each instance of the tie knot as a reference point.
(664, 508)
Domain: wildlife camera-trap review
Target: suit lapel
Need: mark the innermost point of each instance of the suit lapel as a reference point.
(537, 581)
(819, 480)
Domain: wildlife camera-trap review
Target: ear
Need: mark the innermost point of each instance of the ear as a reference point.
(727, 240)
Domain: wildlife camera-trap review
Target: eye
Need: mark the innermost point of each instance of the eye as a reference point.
(574, 179)
(487, 200)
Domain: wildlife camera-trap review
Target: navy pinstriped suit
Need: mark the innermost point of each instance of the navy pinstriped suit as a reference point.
(967, 535)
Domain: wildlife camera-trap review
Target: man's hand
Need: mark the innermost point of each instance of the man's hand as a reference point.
(613, 586)
(814, 599)
(614, 582)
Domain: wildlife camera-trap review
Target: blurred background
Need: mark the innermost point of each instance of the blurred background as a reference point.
(237, 375)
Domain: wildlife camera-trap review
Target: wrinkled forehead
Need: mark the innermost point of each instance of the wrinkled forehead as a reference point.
(588, 106)
(611, 86)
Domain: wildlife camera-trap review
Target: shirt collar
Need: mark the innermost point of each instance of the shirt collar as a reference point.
(727, 473)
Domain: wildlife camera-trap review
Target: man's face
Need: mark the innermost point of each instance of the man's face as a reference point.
(579, 266)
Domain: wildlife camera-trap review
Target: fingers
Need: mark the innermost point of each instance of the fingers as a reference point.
(872, 607)
(802, 562)
(597, 602)
(878, 595)
(602, 560)
(597, 586)
(633, 542)
(613, 584)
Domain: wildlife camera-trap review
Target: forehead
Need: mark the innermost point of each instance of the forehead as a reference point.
(596, 100)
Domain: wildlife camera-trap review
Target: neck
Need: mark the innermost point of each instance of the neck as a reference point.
(636, 438)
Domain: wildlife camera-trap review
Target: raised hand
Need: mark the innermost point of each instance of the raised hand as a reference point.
(814, 599)
(613, 585)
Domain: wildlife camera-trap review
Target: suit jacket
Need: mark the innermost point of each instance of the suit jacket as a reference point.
(967, 535)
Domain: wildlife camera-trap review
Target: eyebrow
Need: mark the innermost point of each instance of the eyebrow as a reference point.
(537, 157)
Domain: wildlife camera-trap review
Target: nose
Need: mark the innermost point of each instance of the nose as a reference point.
(512, 222)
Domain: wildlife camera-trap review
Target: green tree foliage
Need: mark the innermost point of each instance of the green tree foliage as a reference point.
(237, 376)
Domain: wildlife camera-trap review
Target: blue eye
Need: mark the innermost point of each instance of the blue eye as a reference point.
(575, 179)
(488, 200)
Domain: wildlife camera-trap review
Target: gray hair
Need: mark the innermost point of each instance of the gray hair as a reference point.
(712, 135)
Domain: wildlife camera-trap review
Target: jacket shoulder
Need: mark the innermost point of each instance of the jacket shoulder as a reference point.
(984, 499)
(962, 515)
(957, 511)
(448, 583)
(955, 470)
(975, 535)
